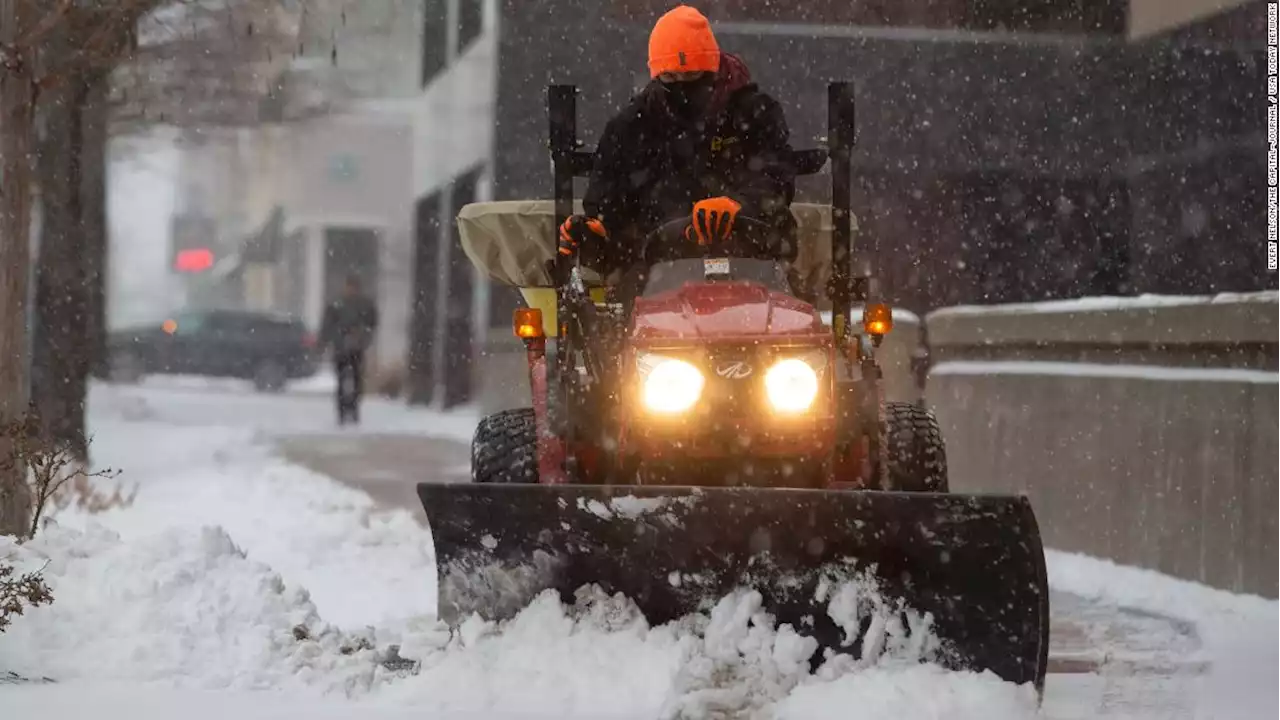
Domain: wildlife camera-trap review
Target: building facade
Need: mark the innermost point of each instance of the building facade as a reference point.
(1008, 150)
(322, 187)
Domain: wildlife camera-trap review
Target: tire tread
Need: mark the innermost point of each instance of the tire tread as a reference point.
(915, 456)
(504, 448)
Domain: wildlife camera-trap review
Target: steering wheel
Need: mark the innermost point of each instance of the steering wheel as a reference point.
(671, 241)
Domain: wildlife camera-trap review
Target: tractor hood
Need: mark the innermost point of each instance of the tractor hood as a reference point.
(723, 310)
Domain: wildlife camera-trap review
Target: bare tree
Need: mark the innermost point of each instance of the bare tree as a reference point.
(75, 61)
(19, 21)
(194, 62)
(216, 63)
(58, 55)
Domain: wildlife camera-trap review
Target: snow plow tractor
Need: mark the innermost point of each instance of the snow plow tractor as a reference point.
(697, 427)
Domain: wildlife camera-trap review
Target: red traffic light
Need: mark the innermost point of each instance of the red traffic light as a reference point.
(197, 260)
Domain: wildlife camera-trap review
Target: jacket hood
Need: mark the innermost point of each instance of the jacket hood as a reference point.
(732, 77)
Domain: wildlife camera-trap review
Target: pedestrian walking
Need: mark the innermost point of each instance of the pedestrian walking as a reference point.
(347, 332)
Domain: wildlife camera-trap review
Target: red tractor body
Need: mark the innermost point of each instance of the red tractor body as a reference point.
(732, 331)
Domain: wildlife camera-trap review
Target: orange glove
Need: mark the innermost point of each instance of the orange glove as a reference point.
(574, 231)
(713, 219)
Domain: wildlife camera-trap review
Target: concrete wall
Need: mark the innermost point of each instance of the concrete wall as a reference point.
(1144, 430)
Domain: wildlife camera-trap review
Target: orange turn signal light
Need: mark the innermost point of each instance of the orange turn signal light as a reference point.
(527, 323)
(877, 319)
(169, 326)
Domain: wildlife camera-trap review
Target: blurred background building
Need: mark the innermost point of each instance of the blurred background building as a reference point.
(321, 187)
(1009, 150)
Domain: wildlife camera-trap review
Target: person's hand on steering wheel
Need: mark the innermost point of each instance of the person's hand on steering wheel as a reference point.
(713, 219)
(576, 230)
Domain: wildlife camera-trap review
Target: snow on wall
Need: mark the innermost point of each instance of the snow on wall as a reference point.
(1107, 303)
(1103, 370)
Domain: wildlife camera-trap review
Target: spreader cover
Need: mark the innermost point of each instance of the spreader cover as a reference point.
(510, 241)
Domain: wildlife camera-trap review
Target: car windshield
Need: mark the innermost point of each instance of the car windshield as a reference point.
(670, 275)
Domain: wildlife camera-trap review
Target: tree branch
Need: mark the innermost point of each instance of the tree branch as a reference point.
(33, 38)
(212, 64)
(97, 36)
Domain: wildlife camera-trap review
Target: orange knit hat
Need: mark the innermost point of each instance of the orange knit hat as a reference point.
(682, 41)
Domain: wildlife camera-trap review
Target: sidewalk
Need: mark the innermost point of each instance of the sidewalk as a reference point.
(387, 467)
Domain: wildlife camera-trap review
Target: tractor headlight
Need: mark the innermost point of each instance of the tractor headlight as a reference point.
(791, 385)
(669, 386)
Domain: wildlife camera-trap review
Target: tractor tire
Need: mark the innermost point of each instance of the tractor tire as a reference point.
(504, 448)
(914, 454)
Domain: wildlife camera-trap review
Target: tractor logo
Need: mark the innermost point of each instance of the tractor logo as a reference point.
(719, 143)
(736, 370)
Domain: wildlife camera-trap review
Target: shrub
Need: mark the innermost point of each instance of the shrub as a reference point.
(22, 591)
(56, 480)
(55, 477)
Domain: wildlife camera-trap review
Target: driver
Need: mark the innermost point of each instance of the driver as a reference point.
(701, 140)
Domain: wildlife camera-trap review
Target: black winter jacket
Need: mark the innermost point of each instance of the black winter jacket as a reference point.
(651, 167)
(349, 324)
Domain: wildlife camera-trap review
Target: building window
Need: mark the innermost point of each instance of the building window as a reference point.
(435, 39)
(470, 22)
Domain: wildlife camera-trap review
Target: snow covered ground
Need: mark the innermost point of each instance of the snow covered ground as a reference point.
(240, 585)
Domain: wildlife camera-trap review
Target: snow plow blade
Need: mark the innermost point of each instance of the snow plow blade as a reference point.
(974, 563)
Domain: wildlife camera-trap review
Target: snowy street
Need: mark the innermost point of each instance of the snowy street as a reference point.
(242, 583)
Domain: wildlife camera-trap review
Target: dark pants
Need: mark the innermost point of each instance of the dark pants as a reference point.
(350, 370)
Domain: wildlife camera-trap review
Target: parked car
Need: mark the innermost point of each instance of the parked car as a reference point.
(268, 349)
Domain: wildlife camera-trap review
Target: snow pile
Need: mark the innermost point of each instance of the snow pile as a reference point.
(596, 659)
(599, 658)
(188, 609)
(741, 665)
(858, 598)
(918, 691)
(741, 662)
(363, 566)
(185, 608)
